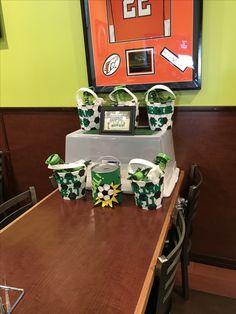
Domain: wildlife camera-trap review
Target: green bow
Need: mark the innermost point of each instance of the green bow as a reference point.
(162, 159)
(139, 174)
(54, 159)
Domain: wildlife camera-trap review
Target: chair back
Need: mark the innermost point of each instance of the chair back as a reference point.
(195, 182)
(53, 181)
(167, 266)
(16, 206)
(160, 297)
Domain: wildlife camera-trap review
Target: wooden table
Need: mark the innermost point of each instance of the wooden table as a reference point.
(73, 258)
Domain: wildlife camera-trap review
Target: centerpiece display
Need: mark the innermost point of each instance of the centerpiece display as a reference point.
(118, 120)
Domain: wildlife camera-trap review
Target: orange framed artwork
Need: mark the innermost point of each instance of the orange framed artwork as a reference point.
(139, 43)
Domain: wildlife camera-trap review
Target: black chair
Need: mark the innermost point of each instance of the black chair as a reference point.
(53, 181)
(189, 207)
(16, 206)
(160, 296)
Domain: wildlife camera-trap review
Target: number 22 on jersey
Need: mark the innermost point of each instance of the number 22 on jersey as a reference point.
(138, 19)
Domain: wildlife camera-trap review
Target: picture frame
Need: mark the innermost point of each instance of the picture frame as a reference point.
(130, 43)
(117, 120)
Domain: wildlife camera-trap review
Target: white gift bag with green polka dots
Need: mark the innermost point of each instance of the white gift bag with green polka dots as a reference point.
(89, 109)
(114, 96)
(147, 194)
(71, 179)
(160, 114)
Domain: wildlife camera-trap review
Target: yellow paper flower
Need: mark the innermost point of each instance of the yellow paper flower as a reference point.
(107, 194)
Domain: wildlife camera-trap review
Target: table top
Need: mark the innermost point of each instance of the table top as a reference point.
(71, 257)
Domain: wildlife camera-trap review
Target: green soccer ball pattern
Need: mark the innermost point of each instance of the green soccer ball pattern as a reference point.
(148, 195)
(160, 117)
(89, 116)
(71, 185)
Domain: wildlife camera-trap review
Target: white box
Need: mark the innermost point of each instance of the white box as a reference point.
(80, 145)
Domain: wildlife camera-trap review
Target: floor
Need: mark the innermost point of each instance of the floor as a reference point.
(202, 303)
(211, 279)
(213, 291)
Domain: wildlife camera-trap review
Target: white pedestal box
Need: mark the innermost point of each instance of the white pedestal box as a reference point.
(80, 145)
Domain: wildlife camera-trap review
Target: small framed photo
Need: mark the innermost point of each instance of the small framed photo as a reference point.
(118, 120)
(140, 61)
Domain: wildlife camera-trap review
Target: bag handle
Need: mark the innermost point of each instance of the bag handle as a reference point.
(162, 87)
(154, 172)
(111, 96)
(107, 159)
(79, 163)
(85, 89)
(142, 162)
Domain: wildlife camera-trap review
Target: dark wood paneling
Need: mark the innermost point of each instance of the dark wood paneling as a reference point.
(208, 138)
(32, 136)
(202, 135)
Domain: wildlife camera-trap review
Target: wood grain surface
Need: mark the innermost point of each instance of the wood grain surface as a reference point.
(71, 257)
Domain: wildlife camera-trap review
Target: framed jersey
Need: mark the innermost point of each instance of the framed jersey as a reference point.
(139, 43)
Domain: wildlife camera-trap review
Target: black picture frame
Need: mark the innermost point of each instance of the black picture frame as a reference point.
(167, 54)
(117, 120)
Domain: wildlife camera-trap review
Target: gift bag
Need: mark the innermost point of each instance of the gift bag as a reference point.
(160, 109)
(119, 100)
(89, 108)
(71, 179)
(147, 189)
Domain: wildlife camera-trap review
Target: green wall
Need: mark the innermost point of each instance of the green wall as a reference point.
(42, 60)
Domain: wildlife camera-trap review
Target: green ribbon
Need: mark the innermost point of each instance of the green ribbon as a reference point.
(54, 159)
(139, 174)
(88, 99)
(155, 96)
(162, 159)
(119, 94)
(159, 110)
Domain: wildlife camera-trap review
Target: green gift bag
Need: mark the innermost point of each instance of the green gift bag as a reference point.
(71, 185)
(89, 108)
(148, 193)
(71, 179)
(160, 108)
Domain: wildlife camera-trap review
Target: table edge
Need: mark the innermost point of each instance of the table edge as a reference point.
(27, 212)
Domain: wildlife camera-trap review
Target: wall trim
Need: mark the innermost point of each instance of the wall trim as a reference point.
(213, 261)
(68, 109)
(15, 109)
(205, 108)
